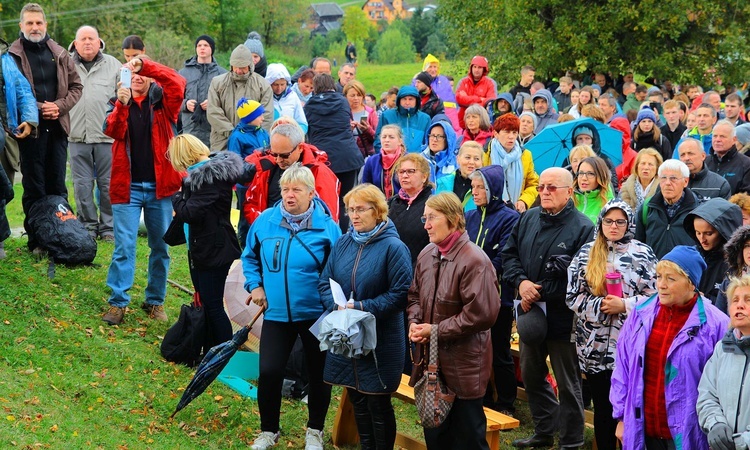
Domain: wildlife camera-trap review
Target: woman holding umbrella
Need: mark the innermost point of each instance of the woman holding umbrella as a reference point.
(287, 247)
(373, 268)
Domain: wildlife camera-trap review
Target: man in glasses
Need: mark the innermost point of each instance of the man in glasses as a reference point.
(555, 231)
(659, 221)
(287, 147)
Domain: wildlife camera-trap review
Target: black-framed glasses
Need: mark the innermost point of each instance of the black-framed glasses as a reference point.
(619, 222)
(586, 175)
(436, 137)
(551, 188)
(357, 211)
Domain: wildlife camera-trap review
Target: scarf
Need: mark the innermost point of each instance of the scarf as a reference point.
(512, 167)
(447, 244)
(404, 196)
(388, 160)
(363, 237)
(646, 140)
(298, 221)
(282, 95)
(640, 191)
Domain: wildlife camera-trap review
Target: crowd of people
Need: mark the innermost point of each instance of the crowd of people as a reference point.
(627, 273)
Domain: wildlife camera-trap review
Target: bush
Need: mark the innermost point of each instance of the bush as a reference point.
(394, 47)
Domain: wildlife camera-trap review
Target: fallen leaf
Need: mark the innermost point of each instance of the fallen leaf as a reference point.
(53, 428)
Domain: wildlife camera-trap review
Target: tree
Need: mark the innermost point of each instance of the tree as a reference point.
(355, 24)
(421, 25)
(394, 47)
(276, 19)
(675, 39)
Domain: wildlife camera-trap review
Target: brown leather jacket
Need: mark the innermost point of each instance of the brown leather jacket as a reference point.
(69, 86)
(460, 293)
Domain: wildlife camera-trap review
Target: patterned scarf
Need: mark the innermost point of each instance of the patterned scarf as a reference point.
(298, 221)
(512, 167)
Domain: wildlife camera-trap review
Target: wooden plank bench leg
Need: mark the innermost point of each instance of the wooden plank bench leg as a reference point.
(344, 426)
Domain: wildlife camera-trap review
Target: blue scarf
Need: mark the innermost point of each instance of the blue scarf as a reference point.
(362, 237)
(512, 167)
(298, 221)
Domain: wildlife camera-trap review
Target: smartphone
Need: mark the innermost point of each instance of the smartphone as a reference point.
(125, 77)
(363, 120)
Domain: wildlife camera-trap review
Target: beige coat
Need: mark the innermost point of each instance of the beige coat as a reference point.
(99, 85)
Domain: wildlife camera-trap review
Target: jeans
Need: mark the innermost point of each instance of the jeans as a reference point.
(157, 214)
(549, 415)
(276, 343)
(91, 163)
(209, 283)
(464, 428)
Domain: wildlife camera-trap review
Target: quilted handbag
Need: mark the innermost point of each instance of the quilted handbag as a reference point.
(431, 395)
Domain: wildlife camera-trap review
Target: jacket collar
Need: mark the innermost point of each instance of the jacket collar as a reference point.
(451, 255)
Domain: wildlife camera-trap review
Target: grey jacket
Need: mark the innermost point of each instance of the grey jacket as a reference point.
(721, 387)
(198, 77)
(707, 184)
(99, 85)
(223, 94)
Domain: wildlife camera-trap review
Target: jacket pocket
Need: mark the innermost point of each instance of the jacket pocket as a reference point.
(272, 252)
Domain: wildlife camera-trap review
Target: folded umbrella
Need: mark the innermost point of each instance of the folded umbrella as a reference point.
(348, 332)
(212, 365)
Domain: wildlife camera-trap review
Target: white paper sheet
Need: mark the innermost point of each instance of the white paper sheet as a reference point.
(338, 294)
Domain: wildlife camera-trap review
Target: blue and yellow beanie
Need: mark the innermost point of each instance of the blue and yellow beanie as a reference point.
(249, 110)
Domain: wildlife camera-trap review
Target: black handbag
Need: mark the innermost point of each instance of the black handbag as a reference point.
(184, 341)
(175, 234)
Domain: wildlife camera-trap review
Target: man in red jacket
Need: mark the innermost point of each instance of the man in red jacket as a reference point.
(141, 121)
(287, 148)
(477, 87)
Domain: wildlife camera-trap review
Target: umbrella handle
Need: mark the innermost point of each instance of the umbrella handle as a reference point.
(249, 326)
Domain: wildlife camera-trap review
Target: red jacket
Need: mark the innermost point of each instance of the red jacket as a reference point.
(165, 96)
(327, 185)
(469, 93)
(480, 137)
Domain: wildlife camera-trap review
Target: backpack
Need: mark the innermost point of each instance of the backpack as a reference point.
(184, 341)
(59, 232)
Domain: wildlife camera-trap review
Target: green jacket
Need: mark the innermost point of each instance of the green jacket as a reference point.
(590, 204)
(631, 103)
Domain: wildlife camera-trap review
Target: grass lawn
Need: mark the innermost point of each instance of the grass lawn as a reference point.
(69, 381)
(379, 78)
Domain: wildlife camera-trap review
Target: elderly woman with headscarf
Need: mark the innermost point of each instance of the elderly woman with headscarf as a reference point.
(527, 127)
(285, 102)
(661, 351)
(518, 165)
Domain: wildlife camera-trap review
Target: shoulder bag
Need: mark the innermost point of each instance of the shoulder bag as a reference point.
(432, 396)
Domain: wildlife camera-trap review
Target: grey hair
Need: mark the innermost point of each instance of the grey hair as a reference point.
(725, 122)
(291, 131)
(609, 98)
(690, 140)
(675, 165)
(708, 106)
(297, 173)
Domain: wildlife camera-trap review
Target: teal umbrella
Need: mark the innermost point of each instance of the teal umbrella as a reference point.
(213, 363)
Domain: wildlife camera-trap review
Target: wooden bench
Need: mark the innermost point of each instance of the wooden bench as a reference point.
(345, 429)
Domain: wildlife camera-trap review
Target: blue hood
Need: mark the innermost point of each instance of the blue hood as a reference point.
(407, 91)
(494, 180)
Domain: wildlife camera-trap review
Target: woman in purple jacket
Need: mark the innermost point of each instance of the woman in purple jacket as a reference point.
(661, 351)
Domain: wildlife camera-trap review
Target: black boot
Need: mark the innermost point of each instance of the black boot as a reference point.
(363, 419)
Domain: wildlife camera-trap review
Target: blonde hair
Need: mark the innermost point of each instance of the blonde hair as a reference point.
(565, 118)
(647, 152)
(596, 268)
(418, 160)
(367, 193)
(448, 204)
(185, 150)
(583, 148)
(297, 173)
(669, 265)
(734, 283)
(602, 174)
(593, 111)
(399, 134)
(357, 86)
(470, 145)
(742, 200)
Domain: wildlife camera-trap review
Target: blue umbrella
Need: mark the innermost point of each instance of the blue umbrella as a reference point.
(213, 363)
(550, 148)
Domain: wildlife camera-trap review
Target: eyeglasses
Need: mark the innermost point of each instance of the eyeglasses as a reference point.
(550, 188)
(357, 211)
(409, 172)
(670, 179)
(436, 137)
(619, 222)
(586, 174)
(281, 155)
(431, 218)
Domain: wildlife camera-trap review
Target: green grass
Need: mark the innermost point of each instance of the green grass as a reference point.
(69, 381)
(379, 78)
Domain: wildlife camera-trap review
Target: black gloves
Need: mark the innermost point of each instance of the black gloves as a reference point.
(720, 437)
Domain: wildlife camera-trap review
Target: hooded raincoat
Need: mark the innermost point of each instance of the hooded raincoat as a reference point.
(444, 162)
(413, 122)
(736, 266)
(550, 116)
(470, 92)
(288, 103)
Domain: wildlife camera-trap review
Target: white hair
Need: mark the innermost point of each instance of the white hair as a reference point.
(675, 165)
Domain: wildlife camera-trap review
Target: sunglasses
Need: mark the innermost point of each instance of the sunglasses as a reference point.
(281, 155)
(550, 188)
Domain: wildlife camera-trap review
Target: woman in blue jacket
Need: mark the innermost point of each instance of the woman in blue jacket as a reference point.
(287, 248)
(374, 270)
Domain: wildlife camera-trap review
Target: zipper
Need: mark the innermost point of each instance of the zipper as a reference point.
(276, 254)
(286, 279)
(739, 397)
(354, 269)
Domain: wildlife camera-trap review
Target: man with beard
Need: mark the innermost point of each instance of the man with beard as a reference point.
(57, 87)
(227, 89)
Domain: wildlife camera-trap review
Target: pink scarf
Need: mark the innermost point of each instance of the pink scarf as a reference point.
(448, 243)
(389, 159)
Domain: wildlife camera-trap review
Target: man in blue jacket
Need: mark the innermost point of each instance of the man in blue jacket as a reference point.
(413, 122)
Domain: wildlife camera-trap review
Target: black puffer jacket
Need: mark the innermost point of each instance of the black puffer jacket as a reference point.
(407, 219)
(534, 239)
(204, 203)
(726, 218)
(660, 232)
(734, 167)
(329, 128)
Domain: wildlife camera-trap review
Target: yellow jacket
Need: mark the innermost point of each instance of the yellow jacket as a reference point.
(530, 177)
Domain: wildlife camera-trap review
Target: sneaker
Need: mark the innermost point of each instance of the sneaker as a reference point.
(314, 439)
(155, 312)
(114, 315)
(265, 440)
(39, 253)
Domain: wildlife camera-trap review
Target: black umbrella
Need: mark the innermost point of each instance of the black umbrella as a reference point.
(213, 363)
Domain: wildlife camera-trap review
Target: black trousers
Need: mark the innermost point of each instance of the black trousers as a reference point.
(347, 180)
(502, 364)
(43, 164)
(464, 428)
(209, 283)
(659, 444)
(276, 342)
(376, 421)
(604, 424)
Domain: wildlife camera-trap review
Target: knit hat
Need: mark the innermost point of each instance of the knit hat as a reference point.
(425, 78)
(531, 325)
(689, 260)
(743, 134)
(653, 90)
(249, 110)
(596, 87)
(645, 113)
(533, 117)
(582, 130)
(241, 57)
(254, 44)
(209, 40)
